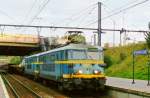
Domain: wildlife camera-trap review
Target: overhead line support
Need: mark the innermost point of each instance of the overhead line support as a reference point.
(81, 28)
(99, 23)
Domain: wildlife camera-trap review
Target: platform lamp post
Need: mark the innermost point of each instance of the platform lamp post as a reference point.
(148, 71)
(148, 63)
(133, 61)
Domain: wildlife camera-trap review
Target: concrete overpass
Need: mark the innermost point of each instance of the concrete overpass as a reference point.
(18, 44)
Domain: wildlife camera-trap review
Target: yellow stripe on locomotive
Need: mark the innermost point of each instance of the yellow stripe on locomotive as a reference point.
(80, 62)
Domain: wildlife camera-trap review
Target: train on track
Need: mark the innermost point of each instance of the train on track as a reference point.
(74, 66)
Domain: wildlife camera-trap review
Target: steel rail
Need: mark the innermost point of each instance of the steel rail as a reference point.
(28, 88)
(11, 87)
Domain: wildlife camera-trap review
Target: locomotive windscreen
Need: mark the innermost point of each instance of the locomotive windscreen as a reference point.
(95, 55)
(77, 54)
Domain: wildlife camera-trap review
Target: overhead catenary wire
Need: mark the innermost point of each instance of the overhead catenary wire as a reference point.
(39, 11)
(91, 23)
(80, 28)
(79, 14)
(10, 17)
(30, 10)
(108, 12)
(83, 18)
(88, 15)
(118, 12)
(113, 22)
(121, 7)
(132, 6)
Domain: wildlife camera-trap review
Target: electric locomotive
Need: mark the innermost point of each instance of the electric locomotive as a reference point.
(72, 66)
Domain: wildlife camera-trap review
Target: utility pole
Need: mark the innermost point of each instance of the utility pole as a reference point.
(94, 39)
(114, 34)
(133, 68)
(121, 31)
(125, 37)
(121, 38)
(99, 23)
(148, 71)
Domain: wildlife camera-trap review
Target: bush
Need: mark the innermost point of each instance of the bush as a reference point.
(122, 56)
(108, 60)
(121, 62)
(15, 60)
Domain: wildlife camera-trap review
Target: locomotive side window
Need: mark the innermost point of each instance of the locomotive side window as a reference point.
(47, 58)
(65, 54)
(42, 58)
(60, 55)
(48, 67)
(45, 67)
(57, 55)
(52, 57)
(29, 66)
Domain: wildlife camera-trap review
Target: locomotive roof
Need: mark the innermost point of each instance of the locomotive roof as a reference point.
(67, 47)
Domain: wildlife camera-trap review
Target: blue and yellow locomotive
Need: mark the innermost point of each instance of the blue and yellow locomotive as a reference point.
(71, 66)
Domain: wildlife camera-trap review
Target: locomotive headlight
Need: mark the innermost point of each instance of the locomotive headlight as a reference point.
(96, 71)
(80, 71)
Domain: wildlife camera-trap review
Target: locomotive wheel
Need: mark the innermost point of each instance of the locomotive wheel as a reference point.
(60, 87)
(44, 82)
(102, 87)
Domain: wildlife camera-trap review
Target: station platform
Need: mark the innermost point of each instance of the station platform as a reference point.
(123, 84)
(3, 91)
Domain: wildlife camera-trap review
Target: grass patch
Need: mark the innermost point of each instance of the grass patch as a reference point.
(120, 62)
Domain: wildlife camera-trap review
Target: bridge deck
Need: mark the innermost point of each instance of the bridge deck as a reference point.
(18, 44)
(19, 38)
(122, 84)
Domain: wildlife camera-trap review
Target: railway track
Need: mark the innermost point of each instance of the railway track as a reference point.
(46, 91)
(17, 89)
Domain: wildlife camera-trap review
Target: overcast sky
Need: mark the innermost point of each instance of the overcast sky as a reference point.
(81, 13)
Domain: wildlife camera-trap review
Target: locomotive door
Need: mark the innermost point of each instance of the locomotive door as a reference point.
(37, 68)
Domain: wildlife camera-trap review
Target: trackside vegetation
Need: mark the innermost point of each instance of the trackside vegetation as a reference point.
(119, 61)
(15, 60)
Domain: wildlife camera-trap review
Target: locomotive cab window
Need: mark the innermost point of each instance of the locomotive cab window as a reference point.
(94, 53)
(77, 54)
